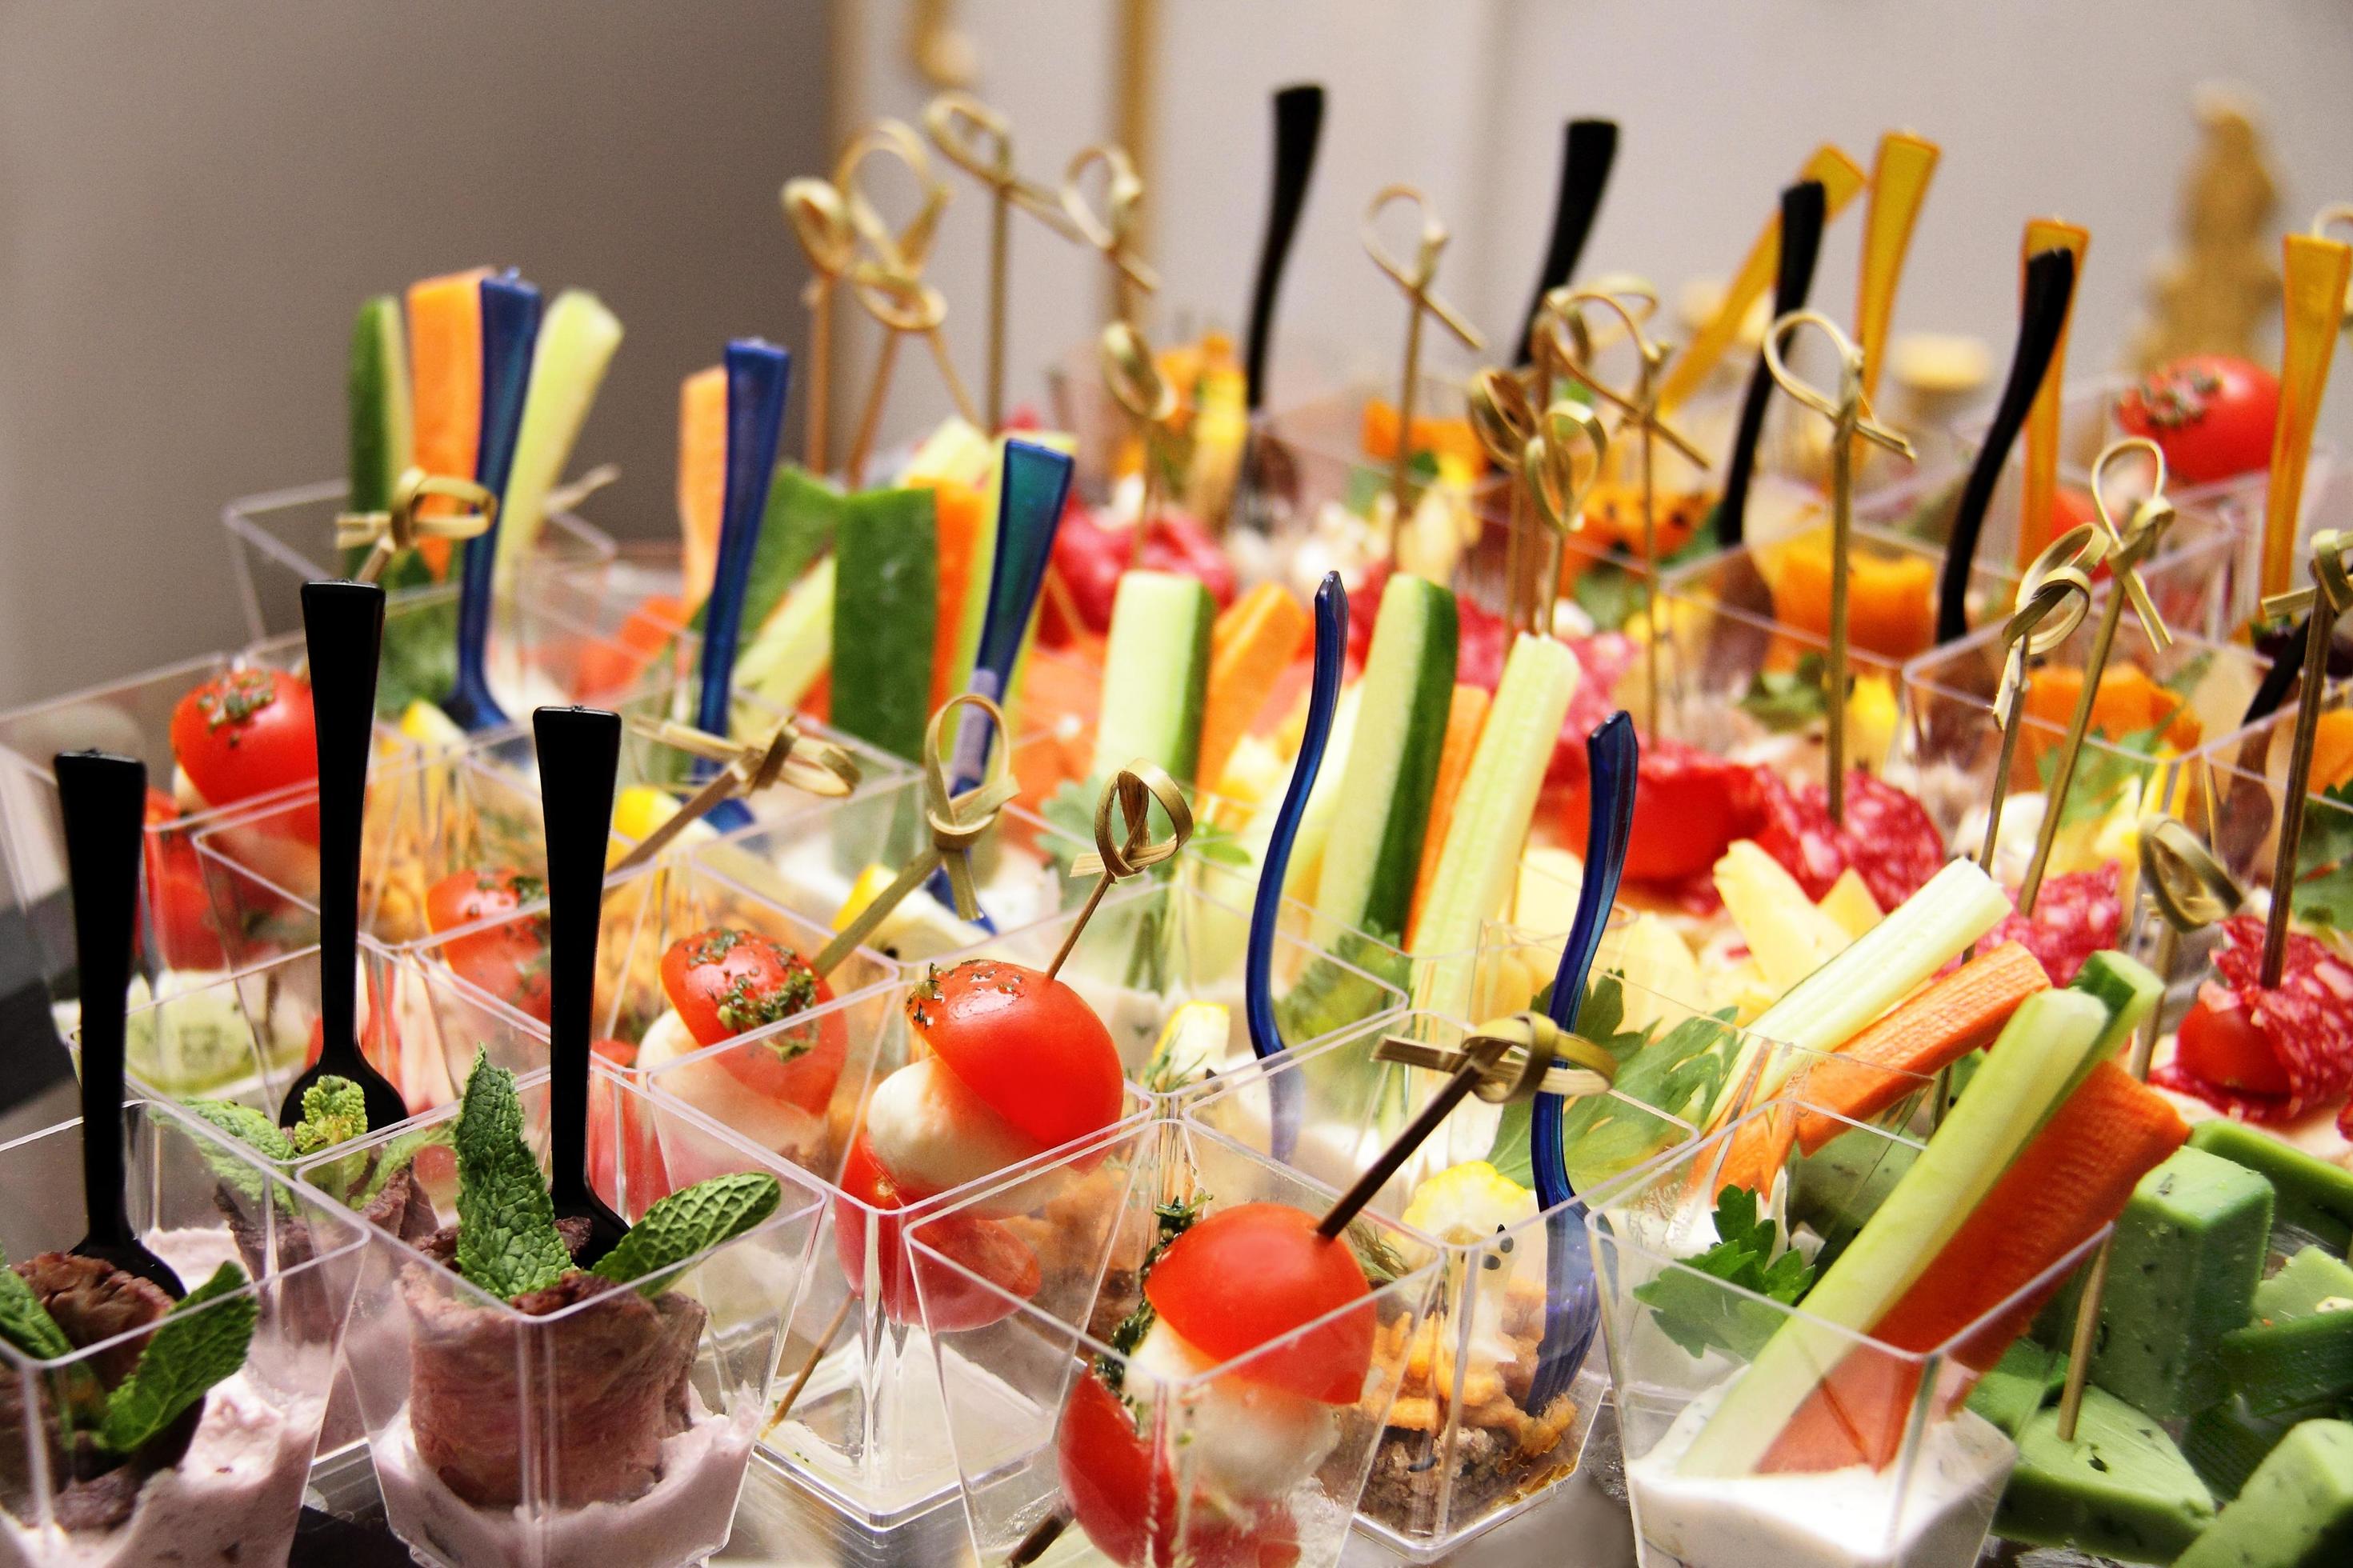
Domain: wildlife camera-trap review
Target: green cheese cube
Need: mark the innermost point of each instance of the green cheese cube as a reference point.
(2121, 1488)
(2189, 1252)
(2019, 1386)
(2315, 1198)
(2279, 1365)
(2226, 1443)
(2303, 1283)
(2296, 1510)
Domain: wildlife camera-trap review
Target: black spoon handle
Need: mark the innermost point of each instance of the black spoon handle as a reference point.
(1298, 126)
(1803, 210)
(579, 748)
(104, 801)
(1587, 148)
(2050, 284)
(344, 625)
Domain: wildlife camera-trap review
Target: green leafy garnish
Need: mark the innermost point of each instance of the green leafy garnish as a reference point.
(2104, 774)
(1172, 1219)
(1700, 1316)
(334, 1110)
(1330, 995)
(2323, 861)
(1787, 699)
(190, 1351)
(1609, 595)
(25, 1322)
(687, 1223)
(507, 1240)
(246, 1125)
(420, 654)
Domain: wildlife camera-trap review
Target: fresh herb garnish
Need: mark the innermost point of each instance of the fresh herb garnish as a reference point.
(507, 1240)
(2323, 861)
(747, 1005)
(2104, 774)
(684, 1224)
(1701, 1316)
(1787, 699)
(1174, 1219)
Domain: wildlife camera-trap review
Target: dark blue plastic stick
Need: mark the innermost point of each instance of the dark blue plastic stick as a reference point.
(510, 334)
(1266, 909)
(1572, 1310)
(759, 377)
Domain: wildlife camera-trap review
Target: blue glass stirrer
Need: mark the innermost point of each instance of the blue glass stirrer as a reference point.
(759, 378)
(510, 336)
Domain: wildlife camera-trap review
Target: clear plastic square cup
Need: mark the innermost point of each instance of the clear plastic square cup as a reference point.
(862, 1433)
(1201, 1461)
(223, 1482)
(1833, 1448)
(610, 1425)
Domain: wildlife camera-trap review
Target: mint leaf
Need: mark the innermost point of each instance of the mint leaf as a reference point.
(1698, 1315)
(246, 1125)
(2103, 775)
(684, 1224)
(196, 1346)
(334, 1110)
(1787, 699)
(25, 1322)
(507, 1241)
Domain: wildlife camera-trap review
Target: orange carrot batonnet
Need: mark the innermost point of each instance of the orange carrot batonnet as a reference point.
(1465, 714)
(2073, 1178)
(955, 512)
(1255, 639)
(701, 478)
(445, 360)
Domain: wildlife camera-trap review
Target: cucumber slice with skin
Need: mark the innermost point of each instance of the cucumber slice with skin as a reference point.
(576, 341)
(886, 595)
(1155, 674)
(2041, 1053)
(794, 647)
(383, 434)
(1375, 853)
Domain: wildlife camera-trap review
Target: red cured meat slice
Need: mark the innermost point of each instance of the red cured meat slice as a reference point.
(1891, 841)
(1795, 829)
(2307, 1020)
(2076, 916)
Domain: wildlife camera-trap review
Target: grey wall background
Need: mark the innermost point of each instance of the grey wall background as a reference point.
(194, 196)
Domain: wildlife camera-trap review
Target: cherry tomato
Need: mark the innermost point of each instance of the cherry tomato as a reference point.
(1030, 1047)
(1686, 813)
(1293, 1277)
(726, 983)
(1089, 559)
(1126, 1500)
(182, 929)
(508, 960)
(633, 1148)
(982, 1244)
(2211, 414)
(2219, 1043)
(245, 733)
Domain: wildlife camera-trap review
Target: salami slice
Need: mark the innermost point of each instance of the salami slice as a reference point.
(1891, 841)
(2075, 915)
(1795, 828)
(2306, 1019)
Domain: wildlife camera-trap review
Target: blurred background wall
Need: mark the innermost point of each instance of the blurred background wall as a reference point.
(194, 197)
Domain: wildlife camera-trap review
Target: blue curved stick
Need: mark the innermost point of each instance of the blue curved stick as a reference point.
(1266, 908)
(759, 377)
(510, 334)
(1033, 488)
(1572, 1309)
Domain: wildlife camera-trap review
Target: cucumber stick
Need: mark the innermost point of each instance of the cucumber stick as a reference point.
(383, 437)
(795, 645)
(1374, 852)
(1840, 1000)
(1481, 858)
(576, 342)
(1155, 674)
(1323, 804)
(2027, 1074)
(886, 595)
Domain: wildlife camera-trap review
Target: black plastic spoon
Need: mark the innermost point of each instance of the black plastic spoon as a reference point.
(343, 625)
(2041, 317)
(1587, 148)
(104, 800)
(1803, 208)
(579, 750)
(1298, 127)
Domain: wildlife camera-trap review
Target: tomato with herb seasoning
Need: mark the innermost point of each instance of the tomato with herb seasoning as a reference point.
(1124, 1496)
(245, 733)
(508, 959)
(2211, 414)
(726, 981)
(1026, 1045)
(1295, 1276)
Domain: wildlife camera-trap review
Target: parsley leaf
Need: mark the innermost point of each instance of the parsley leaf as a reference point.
(507, 1240)
(200, 1341)
(1787, 699)
(2104, 774)
(687, 1223)
(1698, 1315)
(1172, 1219)
(2323, 861)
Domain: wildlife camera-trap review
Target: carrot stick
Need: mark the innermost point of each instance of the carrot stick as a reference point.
(1253, 643)
(2073, 1179)
(1464, 715)
(702, 477)
(445, 359)
(956, 511)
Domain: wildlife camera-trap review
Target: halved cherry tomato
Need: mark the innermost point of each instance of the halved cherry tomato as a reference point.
(2211, 414)
(182, 929)
(726, 983)
(946, 1302)
(1028, 1046)
(1687, 812)
(245, 733)
(508, 960)
(2219, 1043)
(1245, 1277)
(1126, 1500)
(635, 1141)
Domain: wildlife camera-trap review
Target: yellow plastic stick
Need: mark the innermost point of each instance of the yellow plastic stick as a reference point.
(1899, 184)
(2314, 301)
(1841, 178)
(2040, 475)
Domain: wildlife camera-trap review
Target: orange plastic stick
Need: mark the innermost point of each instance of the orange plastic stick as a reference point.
(1899, 184)
(2039, 471)
(2314, 302)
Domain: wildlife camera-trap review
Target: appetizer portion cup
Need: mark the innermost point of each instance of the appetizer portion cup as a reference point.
(1681, 1340)
(1067, 1437)
(223, 1481)
(863, 1433)
(613, 1426)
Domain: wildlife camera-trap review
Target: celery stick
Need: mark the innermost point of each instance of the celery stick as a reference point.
(575, 343)
(795, 643)
(1323, 804)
